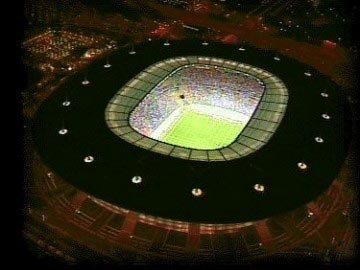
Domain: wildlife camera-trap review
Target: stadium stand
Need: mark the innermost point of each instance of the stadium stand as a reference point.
(206, 85)
(142, 110)
(106, 222)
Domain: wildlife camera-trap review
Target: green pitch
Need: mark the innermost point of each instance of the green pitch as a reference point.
(199, 131)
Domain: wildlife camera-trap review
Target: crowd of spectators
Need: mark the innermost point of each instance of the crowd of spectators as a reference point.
(197, 84)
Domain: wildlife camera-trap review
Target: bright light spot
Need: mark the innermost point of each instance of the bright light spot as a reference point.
(324, 94)
(136, 179)
(197, 192)
(63, 131)
(259, 188)
(88, 159)
(302, 165)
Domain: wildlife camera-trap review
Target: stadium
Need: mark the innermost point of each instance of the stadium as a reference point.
(113, 135)
(185, 151)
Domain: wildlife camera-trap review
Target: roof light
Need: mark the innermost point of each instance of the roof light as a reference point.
(85, 82)
(197, 192)
(302, 165)
(259, 188)
(88, 159)
(63, 131)
(136, 179)
(323, 94)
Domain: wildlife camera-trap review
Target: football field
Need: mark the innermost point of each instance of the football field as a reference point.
(201, 131)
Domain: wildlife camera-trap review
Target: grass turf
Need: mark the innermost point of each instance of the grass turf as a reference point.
(200, 131)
